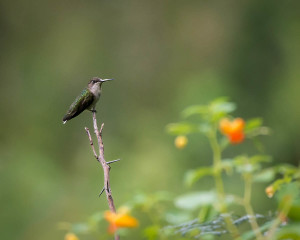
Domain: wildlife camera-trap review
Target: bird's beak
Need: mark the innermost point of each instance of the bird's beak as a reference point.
(104, 80)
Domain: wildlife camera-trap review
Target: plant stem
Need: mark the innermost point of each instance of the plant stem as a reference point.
(248, 207)
(281, 215)
(217, 164)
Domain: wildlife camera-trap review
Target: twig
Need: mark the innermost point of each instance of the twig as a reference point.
(113, 161)
(101, 191)
(105, 165)
(91, 142)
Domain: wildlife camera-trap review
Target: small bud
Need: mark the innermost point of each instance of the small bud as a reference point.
(181, 142)
(270, 191)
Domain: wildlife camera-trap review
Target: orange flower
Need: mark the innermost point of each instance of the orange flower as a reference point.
(234, 130)
(181, 142)
(71, 236)
(121, 219)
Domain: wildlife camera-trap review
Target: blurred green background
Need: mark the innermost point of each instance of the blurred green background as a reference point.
(164, 56)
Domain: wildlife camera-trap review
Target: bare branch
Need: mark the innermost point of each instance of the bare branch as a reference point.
(91, 142)
(104, 164)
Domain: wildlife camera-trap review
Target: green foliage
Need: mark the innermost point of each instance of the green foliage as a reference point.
(91, 225)
(205, 214)
(193, 176)
(253, 124)
(245, 164)
(251, 168)
(291, 232)
(251, 234)
(181, 128)
(211, 112)
(80, 228)
(175, 217)
(193, 201)
(254, 128)
(266, 175)
(146, 202)
(152, 232)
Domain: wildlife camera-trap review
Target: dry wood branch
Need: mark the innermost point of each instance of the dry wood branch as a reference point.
(105, 165)
(91, 143)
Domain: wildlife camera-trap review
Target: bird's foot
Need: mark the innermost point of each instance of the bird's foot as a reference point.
(93, 110)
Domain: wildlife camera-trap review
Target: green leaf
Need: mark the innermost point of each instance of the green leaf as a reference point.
(253, 124)
(265, 175)
(219, 100)
(294, 213)
(80, 228)
(139, 200)
(260, 159)
(180, 128)
(211, 112)
(279, 183)
(289, 196)
(227, 164)
(251, 234)
(205, 213)
(254, 128)
(291, 190)
(205, 128)
(195, 110)
(245, 164)
(96, 218)
(192, 201)
(291, 231)
(194, 175)
(287, 169)
(163, 196)
(177, 217)
(152, 232)
(148, 201)
(222, 108)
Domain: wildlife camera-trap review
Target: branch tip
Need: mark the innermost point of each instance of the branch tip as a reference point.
(113, 161)
(101, 191)
(101, 128)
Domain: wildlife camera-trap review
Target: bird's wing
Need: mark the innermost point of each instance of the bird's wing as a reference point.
(82, 102)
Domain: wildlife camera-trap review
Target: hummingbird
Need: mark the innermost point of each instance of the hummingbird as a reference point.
(86, 100)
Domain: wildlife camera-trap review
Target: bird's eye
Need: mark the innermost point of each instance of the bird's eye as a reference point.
(93, 81)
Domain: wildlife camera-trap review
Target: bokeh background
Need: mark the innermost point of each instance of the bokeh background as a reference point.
(164, 56)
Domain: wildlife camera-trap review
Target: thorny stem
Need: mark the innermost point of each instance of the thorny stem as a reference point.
(217, 161)
(100, 158)
(248, 207)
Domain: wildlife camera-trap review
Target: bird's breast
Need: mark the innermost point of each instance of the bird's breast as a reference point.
(96, 91)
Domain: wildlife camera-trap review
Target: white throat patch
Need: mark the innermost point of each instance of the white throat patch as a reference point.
(95, 89)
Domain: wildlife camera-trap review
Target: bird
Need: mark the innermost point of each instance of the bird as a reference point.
(87, 99)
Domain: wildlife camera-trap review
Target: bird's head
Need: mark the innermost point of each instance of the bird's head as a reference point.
(96, 82)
